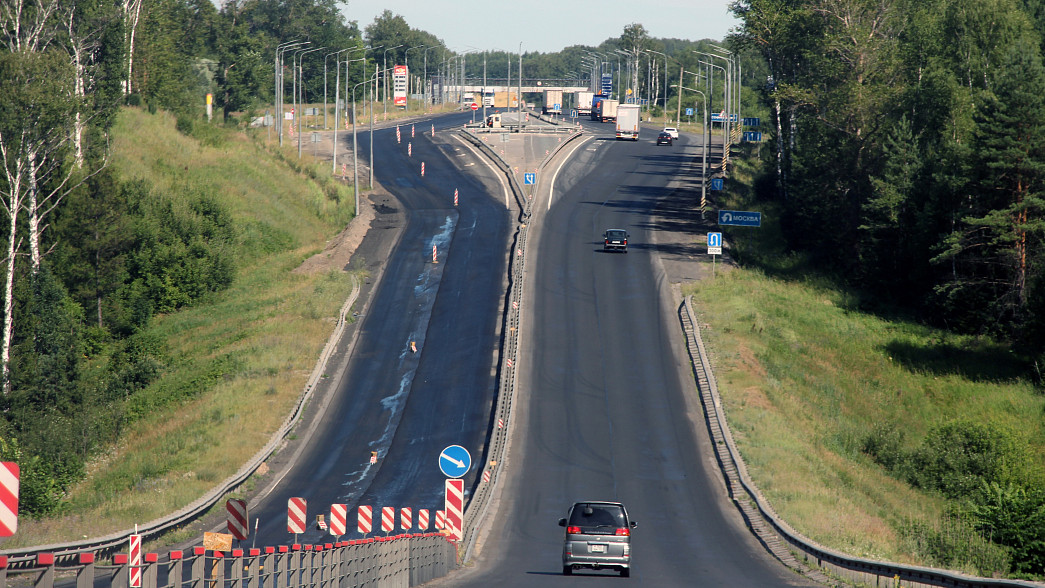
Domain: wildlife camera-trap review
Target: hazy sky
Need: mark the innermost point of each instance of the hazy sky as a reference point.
(549, 25)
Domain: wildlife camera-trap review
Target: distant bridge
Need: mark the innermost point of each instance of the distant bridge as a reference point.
(514, 88)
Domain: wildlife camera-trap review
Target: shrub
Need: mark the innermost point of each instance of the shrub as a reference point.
(958, 457)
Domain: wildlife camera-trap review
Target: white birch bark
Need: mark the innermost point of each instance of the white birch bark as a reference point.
(132, 12)
(12, 204)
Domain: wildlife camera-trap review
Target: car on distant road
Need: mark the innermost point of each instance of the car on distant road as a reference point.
(598, 535)
(672, 131)
(615, 240)
(664, 138)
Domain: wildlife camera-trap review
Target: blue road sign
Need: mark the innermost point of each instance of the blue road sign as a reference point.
(753, 136)
(556, 106)
(607, 83)
(716, 183)
(740, 218)
(714, 239)
(752, 121)
(455, 461)
(689, 112)
(530, 178)
(573, 113)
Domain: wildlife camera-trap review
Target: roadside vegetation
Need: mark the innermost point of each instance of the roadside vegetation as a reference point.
(868, 430)
(191, 393)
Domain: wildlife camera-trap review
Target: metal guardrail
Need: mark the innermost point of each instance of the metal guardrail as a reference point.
(102, 546)
(781, 540)
(395, 561)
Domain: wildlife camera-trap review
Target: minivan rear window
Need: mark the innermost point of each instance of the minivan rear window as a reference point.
(598, 518)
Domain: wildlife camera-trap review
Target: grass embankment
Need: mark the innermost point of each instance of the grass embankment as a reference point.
(806, 377)
(244, 356)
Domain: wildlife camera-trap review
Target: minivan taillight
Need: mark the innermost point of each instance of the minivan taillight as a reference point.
(573, 530)
(622, 531)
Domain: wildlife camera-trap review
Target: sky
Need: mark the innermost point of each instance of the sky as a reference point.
(548, 26)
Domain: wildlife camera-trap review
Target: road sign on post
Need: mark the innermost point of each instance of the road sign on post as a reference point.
(714, 243)
(8, 498)
(473, 106)
(740, 218)
(388, 518)
(406, 518)
(297, 512)
(236, 516)
(716, 183)
(454, 461)
(530, 178)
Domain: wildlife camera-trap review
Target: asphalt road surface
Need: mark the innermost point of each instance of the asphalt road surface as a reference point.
(406, 405)
(608, 409)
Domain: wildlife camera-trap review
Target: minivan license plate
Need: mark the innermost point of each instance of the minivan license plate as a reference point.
(598, 548)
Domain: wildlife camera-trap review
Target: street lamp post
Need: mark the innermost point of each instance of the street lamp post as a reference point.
(355, 144)
(302, 86)
(278, 91)
(407, 63)
(384, 80)
(704, 150)
(337, 93)
(336, 66)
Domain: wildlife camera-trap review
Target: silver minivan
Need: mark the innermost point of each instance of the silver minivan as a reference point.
(598, 535)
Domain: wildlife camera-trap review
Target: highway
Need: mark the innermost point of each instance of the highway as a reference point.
(608, 408)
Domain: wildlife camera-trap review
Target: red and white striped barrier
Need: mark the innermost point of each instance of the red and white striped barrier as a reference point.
(136, 561)
(388, 518)
(406, 518)
(9, 474)
(297, 512)
(236, 518)
(398, 138)
(338, 519)
(455, 508)
(440, 520)
(422, 169)
(365, 522)
(422, 519)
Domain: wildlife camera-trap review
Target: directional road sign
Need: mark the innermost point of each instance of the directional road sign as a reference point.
(753, 136)
(716, 183)
(714, 243)
(530, 178)
(454, 461)
(751, 121)
(740, 218)
(573, 113)
(689, 112)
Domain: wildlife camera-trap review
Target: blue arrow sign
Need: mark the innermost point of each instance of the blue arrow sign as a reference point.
(714, 239)
(753, 136)
(716, 183)
(752, 121)
(573, 113)
(530, 178)
(740, 218)
(454, 461)
(689, 112)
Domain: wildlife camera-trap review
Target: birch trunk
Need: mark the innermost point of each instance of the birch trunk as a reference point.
(132, 12)
(12, 204)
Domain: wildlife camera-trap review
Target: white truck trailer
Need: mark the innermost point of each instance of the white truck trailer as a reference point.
(552, 102)
(628, 116)
(582, 102)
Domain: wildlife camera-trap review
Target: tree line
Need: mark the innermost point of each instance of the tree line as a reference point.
(907, 161)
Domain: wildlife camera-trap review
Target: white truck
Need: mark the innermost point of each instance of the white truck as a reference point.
(582, 102)
(628, 116)
(552, 102)
(605, 110)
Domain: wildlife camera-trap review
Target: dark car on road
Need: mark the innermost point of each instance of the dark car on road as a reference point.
(615, 240)
(598, 535)
(664, 138)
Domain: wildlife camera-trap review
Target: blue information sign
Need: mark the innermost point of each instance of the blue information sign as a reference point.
(454, 461)
(689, 112)
(740, 218)
(573, 113)
(607, 83)
(530, 178)
(716, 183)
(751, 121)
(753, 136)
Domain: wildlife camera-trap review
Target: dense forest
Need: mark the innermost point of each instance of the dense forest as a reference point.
(906, 151)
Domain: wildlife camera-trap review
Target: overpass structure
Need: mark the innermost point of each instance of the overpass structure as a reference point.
(502, 88)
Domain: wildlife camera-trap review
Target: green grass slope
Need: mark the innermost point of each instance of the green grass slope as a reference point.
(236, 364)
